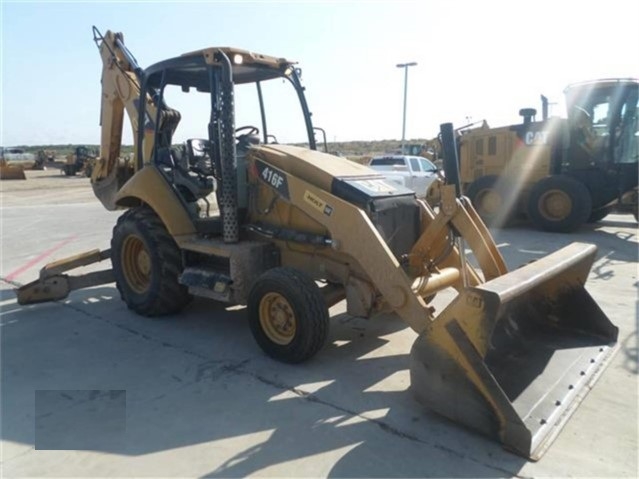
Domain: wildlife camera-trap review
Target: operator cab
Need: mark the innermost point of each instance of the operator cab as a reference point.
(604, 118)
(198, 167)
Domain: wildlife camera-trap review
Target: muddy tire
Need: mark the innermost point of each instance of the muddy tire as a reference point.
(69, 170)
(559, 204)
(146, 264)
(288, 315)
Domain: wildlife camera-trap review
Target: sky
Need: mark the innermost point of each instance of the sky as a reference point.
(482, 59)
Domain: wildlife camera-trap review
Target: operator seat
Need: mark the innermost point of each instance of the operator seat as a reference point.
(175, 160)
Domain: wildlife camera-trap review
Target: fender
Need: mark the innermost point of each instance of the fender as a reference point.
(149, 186)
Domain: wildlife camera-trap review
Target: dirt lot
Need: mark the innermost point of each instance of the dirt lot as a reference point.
(194, 396)
(49, 186)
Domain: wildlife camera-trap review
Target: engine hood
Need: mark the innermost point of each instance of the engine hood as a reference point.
(328, 172)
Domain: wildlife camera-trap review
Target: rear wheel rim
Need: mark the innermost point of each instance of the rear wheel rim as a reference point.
(136, 264)
(277, 318)
(555, 205)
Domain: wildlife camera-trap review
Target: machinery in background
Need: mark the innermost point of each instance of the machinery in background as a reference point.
(559, 173)
(81, 160)
(46, 156)
(13, 162)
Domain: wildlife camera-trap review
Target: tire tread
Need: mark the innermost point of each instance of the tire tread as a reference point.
(310, 308)
(168, 296)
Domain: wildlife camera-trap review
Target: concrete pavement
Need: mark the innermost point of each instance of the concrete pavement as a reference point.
(194, 395)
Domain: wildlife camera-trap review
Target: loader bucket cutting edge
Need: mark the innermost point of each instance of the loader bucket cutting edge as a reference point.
(514, 357)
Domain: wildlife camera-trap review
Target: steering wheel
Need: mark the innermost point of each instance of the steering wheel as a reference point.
(252, 130)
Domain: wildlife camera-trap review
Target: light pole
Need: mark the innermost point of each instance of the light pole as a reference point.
(405, 67)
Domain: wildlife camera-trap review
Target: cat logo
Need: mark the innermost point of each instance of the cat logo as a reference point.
(536, 137)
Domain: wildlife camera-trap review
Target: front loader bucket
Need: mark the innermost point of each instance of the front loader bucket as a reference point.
(12, 172)
(513, 357)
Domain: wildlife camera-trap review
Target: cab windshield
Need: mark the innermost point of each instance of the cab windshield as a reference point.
(613, 114)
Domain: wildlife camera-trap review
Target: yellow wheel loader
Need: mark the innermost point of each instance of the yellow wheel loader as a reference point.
(559, 173)
(290, 231)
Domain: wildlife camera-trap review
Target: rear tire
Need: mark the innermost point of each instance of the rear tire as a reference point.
(147, 264)
(559, 204)
(69, 170)
(288, 315)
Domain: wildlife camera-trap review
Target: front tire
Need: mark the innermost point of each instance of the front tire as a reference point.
(559, 204)
(147, 264)
(489, 200)
(288, 315)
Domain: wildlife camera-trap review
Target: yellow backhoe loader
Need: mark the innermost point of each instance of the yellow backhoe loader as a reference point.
(296, 230)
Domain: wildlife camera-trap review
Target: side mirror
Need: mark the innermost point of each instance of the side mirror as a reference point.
(197, 147)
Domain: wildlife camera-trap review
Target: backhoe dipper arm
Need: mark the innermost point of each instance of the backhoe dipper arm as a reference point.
(121, 81)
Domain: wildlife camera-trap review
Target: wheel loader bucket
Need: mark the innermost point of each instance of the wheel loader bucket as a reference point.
(12, 172)
(513, 357)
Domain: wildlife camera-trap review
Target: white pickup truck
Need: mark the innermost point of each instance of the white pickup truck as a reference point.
(413, 172)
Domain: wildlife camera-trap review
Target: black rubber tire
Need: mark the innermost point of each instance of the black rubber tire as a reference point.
(164, 294)
(69, 170)
(480, 187)
(309, 309)
(598, 215)
(580, 206)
